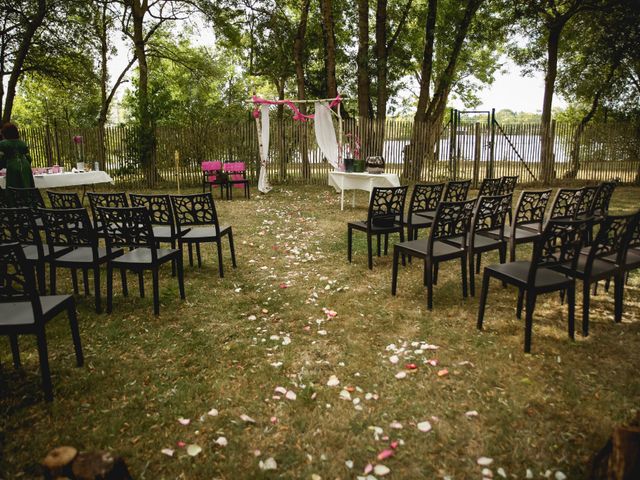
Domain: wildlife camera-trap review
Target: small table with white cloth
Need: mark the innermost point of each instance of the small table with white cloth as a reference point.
(68, 179)
(342, 181)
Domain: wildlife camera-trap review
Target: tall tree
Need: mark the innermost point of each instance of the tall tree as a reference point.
(329, 37)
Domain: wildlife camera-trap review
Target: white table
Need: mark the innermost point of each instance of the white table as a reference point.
(67, 179)
(342, 181)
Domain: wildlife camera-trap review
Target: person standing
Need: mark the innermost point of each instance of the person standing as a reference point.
(14, 156)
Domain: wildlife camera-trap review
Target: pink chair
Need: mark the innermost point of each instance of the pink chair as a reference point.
(237, 178)
(211, 171)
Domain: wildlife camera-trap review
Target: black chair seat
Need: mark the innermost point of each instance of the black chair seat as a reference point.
(517, 273)
(84, 255)
(208, 232)
(362, 225)
(21, 313)
(600, 268)
(526, 234)
(31, 252)
(632, 259)
(418, 220)
(143, 255)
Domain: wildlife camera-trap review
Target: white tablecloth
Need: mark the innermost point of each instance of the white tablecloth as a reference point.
(67, 179)
(342, 181)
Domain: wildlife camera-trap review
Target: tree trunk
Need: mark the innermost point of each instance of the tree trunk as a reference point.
(364, 83)
(21, 55)
(546, 160)
(329, 37)
(298, 55)
(575, 149)
(146, 129)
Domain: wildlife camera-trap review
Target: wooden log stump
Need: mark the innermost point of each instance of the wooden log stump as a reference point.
(619, 459)
(67, 463)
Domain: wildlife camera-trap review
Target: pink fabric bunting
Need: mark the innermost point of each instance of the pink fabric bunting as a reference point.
(297, 114)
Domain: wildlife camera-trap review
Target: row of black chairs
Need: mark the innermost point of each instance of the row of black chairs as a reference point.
(463, 230)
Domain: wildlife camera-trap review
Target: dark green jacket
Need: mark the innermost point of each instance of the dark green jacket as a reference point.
(14, 156)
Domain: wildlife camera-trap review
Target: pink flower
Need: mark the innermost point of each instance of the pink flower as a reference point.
(77, 139)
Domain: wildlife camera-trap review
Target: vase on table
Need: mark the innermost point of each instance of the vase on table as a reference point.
(358, 166)
(348, 165)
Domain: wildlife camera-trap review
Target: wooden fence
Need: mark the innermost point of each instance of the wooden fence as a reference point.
(599, 152)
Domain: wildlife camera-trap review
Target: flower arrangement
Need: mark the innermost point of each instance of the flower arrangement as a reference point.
(353, 146)
(79, 143)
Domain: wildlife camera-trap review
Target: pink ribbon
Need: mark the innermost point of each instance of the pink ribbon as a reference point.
(297, 114)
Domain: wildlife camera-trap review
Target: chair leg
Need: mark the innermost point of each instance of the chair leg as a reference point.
(109, 288)
(173, 263)
(586, 301)
(190, 245)
(528, 320)
(96, 287)
(520, 303)
(571, 300)
(220, 266)
(85, 282)
(386, 243)
(478, 261)
(141, 283)
(512, 251)
(463, 273)
(74, 281)
(618, 296)
(484, 292)
(198, 255)
(378, 244)
(52, 278)
(156, 291)
(349, 242)
(370, 252)
(75, 333)
(394, 270)
(123, 281)
(472, 276)
(233, 250)
(43, 355)
(15, 350)
(42, 282)
(428, 268)
(180, 275)
(502, 252)
(436, 269)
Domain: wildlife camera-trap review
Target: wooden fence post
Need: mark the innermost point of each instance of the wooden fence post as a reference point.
(476, 155)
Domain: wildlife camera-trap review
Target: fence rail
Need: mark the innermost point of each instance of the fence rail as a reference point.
(597, 152)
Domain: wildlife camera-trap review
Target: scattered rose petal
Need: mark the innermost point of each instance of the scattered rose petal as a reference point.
(349, 463)
(401, 375)
(184, 421)
(333, 381)
(315, 476)
(529, 473)
(345, 395)
(487, 473)
(291, 395)
(559, 475)
(247, 418)
(268, 464)
(386, 453)
(251, 318)
(280, 390)
(394, 359)
(411, 366)
(368, 469)
(443, 372)
(485, 461)
(502, 473)
(471, 413)
(222, 441)
(181, 444)
(424, 426)
(167, 451)
(213, 412)
(433, 362)
(194, 450)
(273, 420)
(394, 444)
(381, 470)
(396, 425)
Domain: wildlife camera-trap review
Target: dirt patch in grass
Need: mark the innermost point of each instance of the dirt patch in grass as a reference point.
(270, 323)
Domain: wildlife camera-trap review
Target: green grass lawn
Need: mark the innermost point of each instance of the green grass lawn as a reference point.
(265, 325)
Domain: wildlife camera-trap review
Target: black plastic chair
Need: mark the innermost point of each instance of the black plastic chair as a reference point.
(599, 207)
(30, 198)
(18, 225)
(487, 232)
(131, 227)
(197, 214)
(236, 175)
(456, 191)
(507, 184)
(610, 244)
(528, 219)
(566, 204)
(559, 244)
(447, 241)
(64, 200)
(23, 311)
(422, 207)
(385, 216)
(490, 186)
(105, 199)
(72, 228)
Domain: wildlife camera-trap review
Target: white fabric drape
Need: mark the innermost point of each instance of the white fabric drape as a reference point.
(326, 133)
(263, 137)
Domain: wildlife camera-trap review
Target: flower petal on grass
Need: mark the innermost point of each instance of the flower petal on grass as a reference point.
(184, 421)
(247, 418)
(484, 461)
(213, 412)
(193, 450)
(381, 470)
(333, 381)
(167, 451)
(386, 453)
(291, 395)
(222, 441)
(424, 426)
(401, 375)
(443, 373)
(268, 464)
